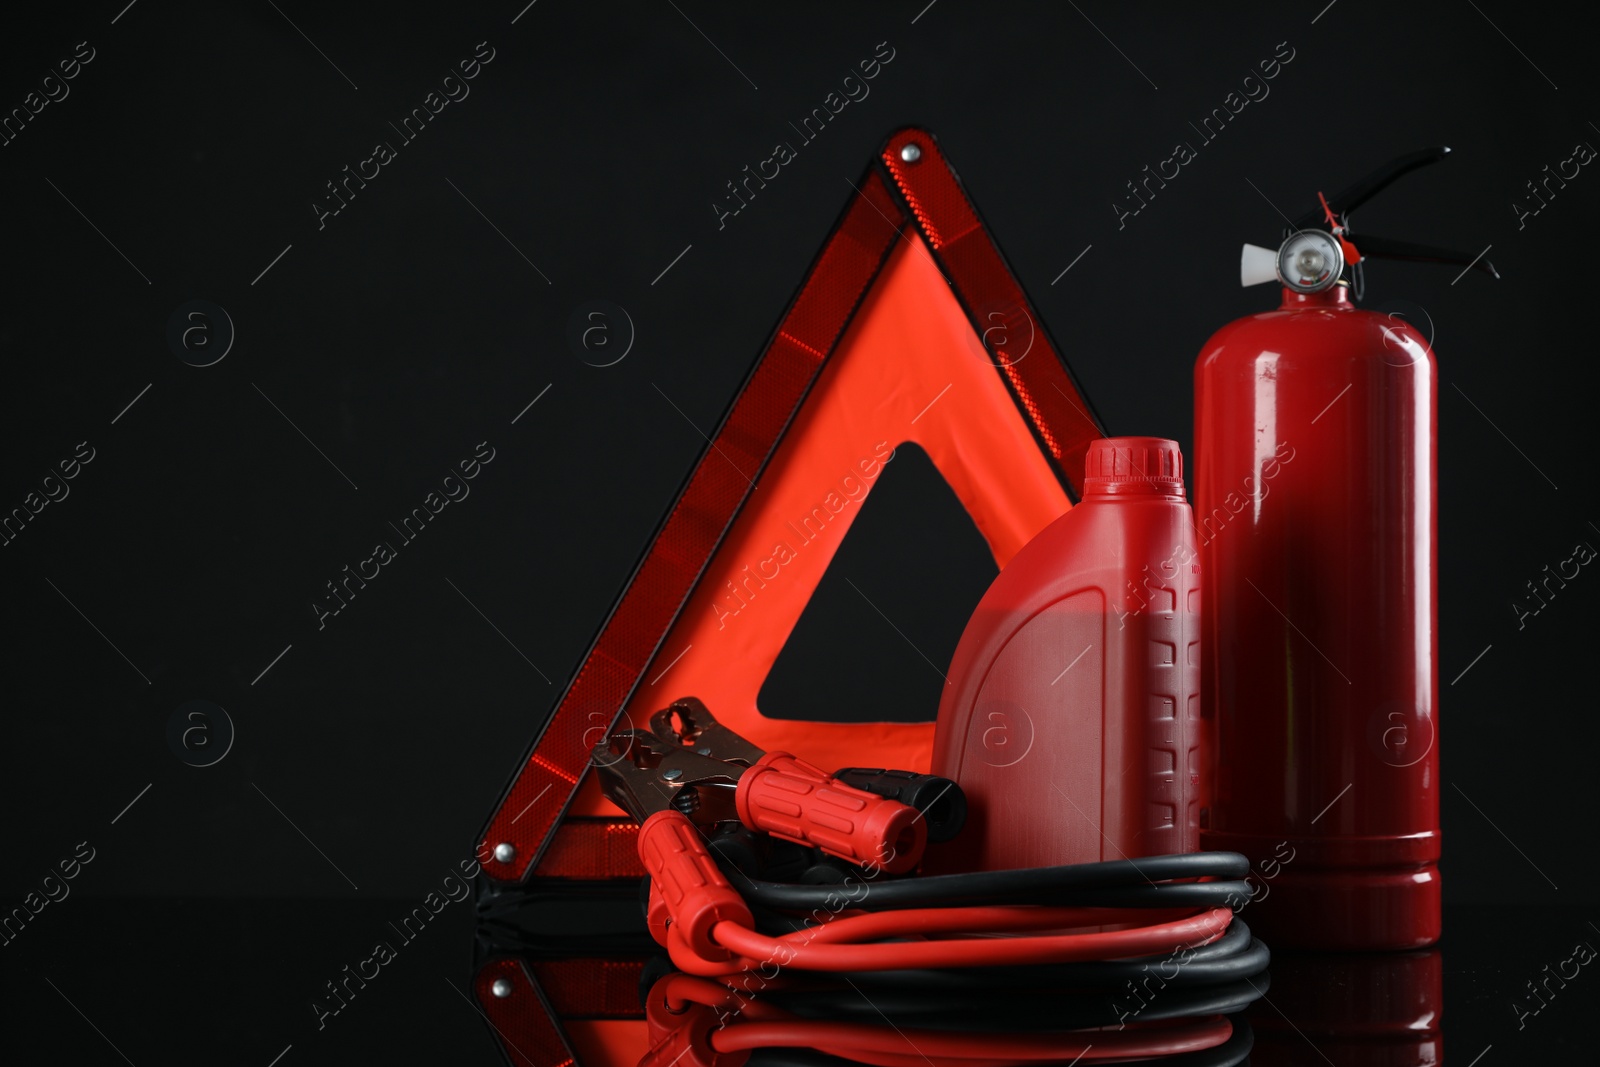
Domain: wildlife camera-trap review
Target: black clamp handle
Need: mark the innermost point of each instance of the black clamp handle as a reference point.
(941, 801)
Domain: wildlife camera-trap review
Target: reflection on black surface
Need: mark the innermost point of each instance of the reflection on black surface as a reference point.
(547, 1011)
(554, 992)
(238, 984)
(583, 970)
(826, 1020)
(1366, 1010)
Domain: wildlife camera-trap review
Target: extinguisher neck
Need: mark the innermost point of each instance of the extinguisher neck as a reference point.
(1333, 297)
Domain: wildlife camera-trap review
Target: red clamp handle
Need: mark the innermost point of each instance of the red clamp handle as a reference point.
(790, 799)
(657, 916)
(687, 881)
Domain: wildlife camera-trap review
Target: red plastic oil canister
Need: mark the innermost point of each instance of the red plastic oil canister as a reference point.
(1072, 711)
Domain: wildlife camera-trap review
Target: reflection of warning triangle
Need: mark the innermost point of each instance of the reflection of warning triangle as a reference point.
(909, 328)
(874, 640)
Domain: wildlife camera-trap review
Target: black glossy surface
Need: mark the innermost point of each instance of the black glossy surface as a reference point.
(207, 981)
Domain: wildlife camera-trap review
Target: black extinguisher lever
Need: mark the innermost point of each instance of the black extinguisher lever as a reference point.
(1317, 263)
(1347, 200)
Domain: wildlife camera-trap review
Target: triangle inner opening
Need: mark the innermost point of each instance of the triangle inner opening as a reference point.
(878, 633)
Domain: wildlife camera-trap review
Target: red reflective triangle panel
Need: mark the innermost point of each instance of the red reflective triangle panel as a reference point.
(909, 327)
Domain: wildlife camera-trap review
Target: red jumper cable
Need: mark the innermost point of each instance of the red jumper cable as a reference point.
(689, 774)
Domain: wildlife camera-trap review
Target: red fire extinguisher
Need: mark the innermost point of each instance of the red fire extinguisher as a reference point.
(1316, 521)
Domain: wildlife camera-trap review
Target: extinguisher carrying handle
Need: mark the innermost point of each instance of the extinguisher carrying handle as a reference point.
(942, 803)
(1353, 196)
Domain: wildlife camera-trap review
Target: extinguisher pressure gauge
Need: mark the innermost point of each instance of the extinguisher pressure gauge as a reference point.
(1310, 261)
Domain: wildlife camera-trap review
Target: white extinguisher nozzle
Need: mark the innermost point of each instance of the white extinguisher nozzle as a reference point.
(1257, 265)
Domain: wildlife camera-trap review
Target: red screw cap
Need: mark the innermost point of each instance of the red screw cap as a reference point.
(1122, 465)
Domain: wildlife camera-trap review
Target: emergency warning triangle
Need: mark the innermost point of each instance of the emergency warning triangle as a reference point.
(909, 327)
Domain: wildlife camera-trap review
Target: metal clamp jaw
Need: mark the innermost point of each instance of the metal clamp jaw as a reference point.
(690, 763)
(687, 761)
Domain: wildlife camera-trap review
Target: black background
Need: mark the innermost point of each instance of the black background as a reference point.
(408, 330)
